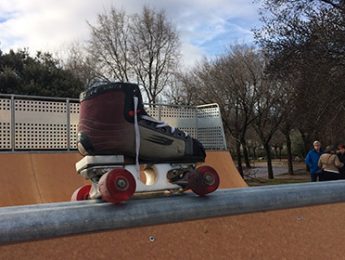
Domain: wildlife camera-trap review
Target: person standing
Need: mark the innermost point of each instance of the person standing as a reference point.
(330, 164)
(341, 156)
(312, 160)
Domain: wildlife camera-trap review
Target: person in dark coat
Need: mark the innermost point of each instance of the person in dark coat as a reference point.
(312, 159)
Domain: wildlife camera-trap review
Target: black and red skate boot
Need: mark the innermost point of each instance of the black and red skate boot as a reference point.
(113, 122)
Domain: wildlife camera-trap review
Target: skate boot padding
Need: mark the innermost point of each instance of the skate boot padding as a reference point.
(108, 118)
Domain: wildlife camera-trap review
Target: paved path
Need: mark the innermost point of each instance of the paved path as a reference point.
(259, 169)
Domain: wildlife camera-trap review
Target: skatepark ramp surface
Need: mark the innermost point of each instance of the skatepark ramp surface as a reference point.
(30, 123)
(58, 219)
(278, 234)
(30, 178)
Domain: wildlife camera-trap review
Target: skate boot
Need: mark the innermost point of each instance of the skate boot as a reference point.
(127, 152)
(113, 122)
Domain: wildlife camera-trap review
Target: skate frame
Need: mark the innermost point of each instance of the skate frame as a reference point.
(154, 175)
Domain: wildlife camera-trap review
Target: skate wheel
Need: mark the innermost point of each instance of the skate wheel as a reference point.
(117, 185)
(82, 193)
(204, 180)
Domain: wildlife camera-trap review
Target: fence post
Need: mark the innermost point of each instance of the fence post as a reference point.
(13, 124)
(68, 127)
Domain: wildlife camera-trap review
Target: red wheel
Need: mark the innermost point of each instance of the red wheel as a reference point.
(204, 180)
(117, 185)
(82, 193)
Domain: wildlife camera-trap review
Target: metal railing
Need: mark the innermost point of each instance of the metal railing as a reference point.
(25, 223)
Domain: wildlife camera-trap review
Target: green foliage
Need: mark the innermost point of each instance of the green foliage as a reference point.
(41, 75)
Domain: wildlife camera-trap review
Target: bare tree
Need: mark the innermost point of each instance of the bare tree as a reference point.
(305, 42)
(269, 114)
(154, 51)
(109, 45)
(142, 48)
(240, 72)
(80, 64)
(231, 81)
(178, 93)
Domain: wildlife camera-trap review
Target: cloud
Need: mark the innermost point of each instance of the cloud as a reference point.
(205, 27)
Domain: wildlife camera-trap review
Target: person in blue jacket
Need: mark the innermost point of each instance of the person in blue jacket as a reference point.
(312, 159)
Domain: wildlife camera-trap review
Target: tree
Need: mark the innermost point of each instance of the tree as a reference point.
(178, 92)
(143, 48)
(305, 43)
(109, 45)
(80, 64)
(240, 72)
(40, 75)
(231, 81)
(269, 115)
(155, 51)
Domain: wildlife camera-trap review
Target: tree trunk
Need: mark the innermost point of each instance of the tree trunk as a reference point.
(275, 152)
(306, 142)
(239, 159)
(245, 153)
(289, 153)
(269, 161)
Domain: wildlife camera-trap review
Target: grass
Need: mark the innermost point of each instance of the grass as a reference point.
(276, 181)
(298, 177)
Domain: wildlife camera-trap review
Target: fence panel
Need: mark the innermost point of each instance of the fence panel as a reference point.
(42, 123)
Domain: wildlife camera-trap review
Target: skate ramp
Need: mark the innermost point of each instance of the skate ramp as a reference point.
(284, 234)
(222, 162)
(38, 178)
(303, 233)
(30, 178)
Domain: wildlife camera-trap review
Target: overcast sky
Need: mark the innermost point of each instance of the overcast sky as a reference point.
(206, 27)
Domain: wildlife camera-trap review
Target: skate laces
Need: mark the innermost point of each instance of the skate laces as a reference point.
(160, 124)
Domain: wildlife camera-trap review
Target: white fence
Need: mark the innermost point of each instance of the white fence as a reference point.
(43, 123)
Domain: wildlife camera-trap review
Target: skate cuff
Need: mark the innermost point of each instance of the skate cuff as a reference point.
(101, 87)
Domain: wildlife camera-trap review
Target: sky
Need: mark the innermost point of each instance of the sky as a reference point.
(206, 27)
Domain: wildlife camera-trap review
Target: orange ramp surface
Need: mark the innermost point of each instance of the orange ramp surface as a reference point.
(304, 233)
(222, 162)
(51, 177)
(38, 177)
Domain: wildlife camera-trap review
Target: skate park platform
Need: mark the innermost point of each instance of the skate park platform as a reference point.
(313, 232)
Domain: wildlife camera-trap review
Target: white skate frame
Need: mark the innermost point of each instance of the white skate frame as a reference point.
(155, 182)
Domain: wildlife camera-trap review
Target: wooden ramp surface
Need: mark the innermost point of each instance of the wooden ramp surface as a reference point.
(51, 177)
(222, 162)
(303, 233)
(38, 178)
